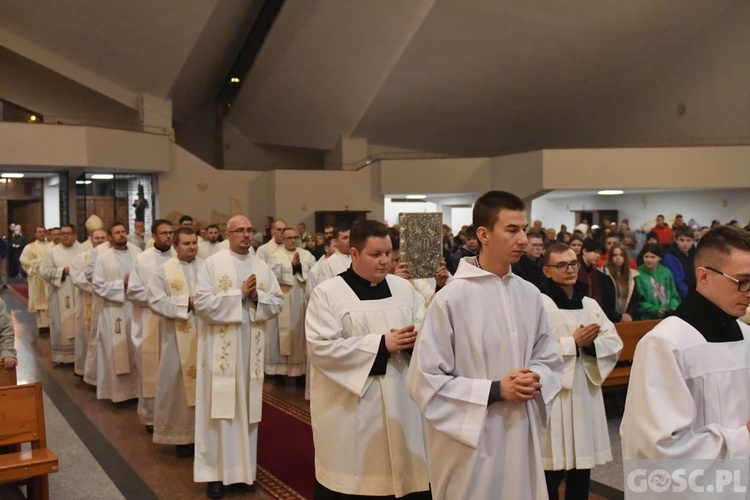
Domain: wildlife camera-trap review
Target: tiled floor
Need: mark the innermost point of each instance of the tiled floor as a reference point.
(106, 453)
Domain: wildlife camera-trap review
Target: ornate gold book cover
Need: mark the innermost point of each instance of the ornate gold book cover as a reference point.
(421, 242)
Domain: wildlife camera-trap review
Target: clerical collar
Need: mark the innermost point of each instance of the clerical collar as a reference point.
(363, 288)
(558, 295)
(703, 315)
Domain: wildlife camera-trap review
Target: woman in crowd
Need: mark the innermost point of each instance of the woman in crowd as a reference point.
(623, 277)
(657, 294)
(576, 242)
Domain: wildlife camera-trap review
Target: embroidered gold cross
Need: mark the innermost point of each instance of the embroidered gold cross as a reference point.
(225, 283)
(177, 284)
(118, 329)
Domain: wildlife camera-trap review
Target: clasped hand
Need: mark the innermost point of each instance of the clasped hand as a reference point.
(249, 288)
(401, 339)
(584, 336)
(520, 385)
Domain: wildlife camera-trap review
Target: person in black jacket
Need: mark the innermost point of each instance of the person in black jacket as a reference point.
(600, 287)
(529, 266)
(470, 248)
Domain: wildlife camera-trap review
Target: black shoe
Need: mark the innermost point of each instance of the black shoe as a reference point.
(243, 487)
(215, 489)
(150, 429)
(121, 404)
(185, 450)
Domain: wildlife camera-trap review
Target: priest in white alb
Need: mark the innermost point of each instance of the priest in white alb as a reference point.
(237, 294)
(285, 344)
(145, 324)
(85, 314)
(116, 370)
(277, 241)
(339, 261)
(31, 260)
(63, 297)
(486, 369)
(360, 328)
(212, 244)
(577, 438)
(170, 295)
(687, 395)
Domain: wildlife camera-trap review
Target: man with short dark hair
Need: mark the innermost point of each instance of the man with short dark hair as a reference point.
(137, 235)
(577, 438)
(470, 248)
(31, 260)
(485, 369)
(529, 266)
(340, 260)
(360, 326)
(690, 374)
(212, 243)
(54, 235)
(663, 231)
(679, 260)
(599, 287)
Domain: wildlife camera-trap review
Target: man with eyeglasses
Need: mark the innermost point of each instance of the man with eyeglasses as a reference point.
(577, 436)
(145, 327)
(63, 297)
(236, 297)
(687, 396)
(529, 266)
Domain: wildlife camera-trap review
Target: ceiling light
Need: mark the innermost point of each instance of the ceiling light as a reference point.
(416, 196)
(103, 177)
(83, 182)
(32, 118)
(12, 175)
(610, 192)
(234, 79)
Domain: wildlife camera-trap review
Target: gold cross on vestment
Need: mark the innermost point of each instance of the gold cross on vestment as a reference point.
(225, 283)
(177, 284)
(118, 329)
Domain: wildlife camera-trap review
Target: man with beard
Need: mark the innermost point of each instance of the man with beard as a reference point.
(145, 324)
(117, 369)
(212, 244)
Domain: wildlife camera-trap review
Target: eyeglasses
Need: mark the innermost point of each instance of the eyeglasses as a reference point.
(742, 286)
(536, 245)
(564, 266)
(242, 230)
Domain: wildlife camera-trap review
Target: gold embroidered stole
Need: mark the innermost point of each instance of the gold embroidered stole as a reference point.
(149, 328)
(117, 321)
(87, 300)
(284, 319)
(224, 355)
(65, 295)
(185, 332)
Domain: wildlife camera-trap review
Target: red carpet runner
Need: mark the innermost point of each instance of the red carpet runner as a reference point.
(21, 289)
(286, 466)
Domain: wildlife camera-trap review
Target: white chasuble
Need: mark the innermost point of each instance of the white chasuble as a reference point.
(226, 434)
(31, 260)
(479, 328)
(577, 435)
(687, 397)
(367, 432)
(63, 299)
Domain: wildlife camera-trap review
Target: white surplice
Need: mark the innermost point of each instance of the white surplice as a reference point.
(577, 435)
(285, 343)
(116, 377)
(478, 328)
(267, 249)
(174, 419)
(367, 432)
(687, 397)
(226, 448)
(63, 301)
(31, 260)
(145, 328)
(207, 249)
(334, 265)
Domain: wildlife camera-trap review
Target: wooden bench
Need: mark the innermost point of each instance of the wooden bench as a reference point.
(630, 333)
(22, 421)
(7, 377)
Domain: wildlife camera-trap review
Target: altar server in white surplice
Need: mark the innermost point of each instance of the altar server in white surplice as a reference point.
(117, 370)
(63, 297)
(577, 436)
(31, 260)
(687, 395)
(339, 261)
(486, 369)
(285, 345)
(85, 318)
(171, 291)
(145, 324)
(237, 294)
(359, 326)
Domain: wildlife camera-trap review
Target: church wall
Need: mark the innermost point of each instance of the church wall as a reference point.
(454, 175)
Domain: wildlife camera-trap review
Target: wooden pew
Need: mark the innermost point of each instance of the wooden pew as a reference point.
(22, 421)
(7, 377)
(630, 333)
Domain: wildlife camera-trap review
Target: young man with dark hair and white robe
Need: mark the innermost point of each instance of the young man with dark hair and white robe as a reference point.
(145, 324)
(86, 313)
(63, 296)
(577, 436)
(236, 296)
(687, 395)
(486, 368)
(340, 260)
(212, 244)
(360, 328)
(285, 346)
(170, 295)
(117, 369)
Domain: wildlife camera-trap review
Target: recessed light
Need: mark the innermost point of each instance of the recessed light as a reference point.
(416, 196)
(234, 79)
(12, 175)
(103, 177)
(610, 192)
(83, 182)
(32, 118)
